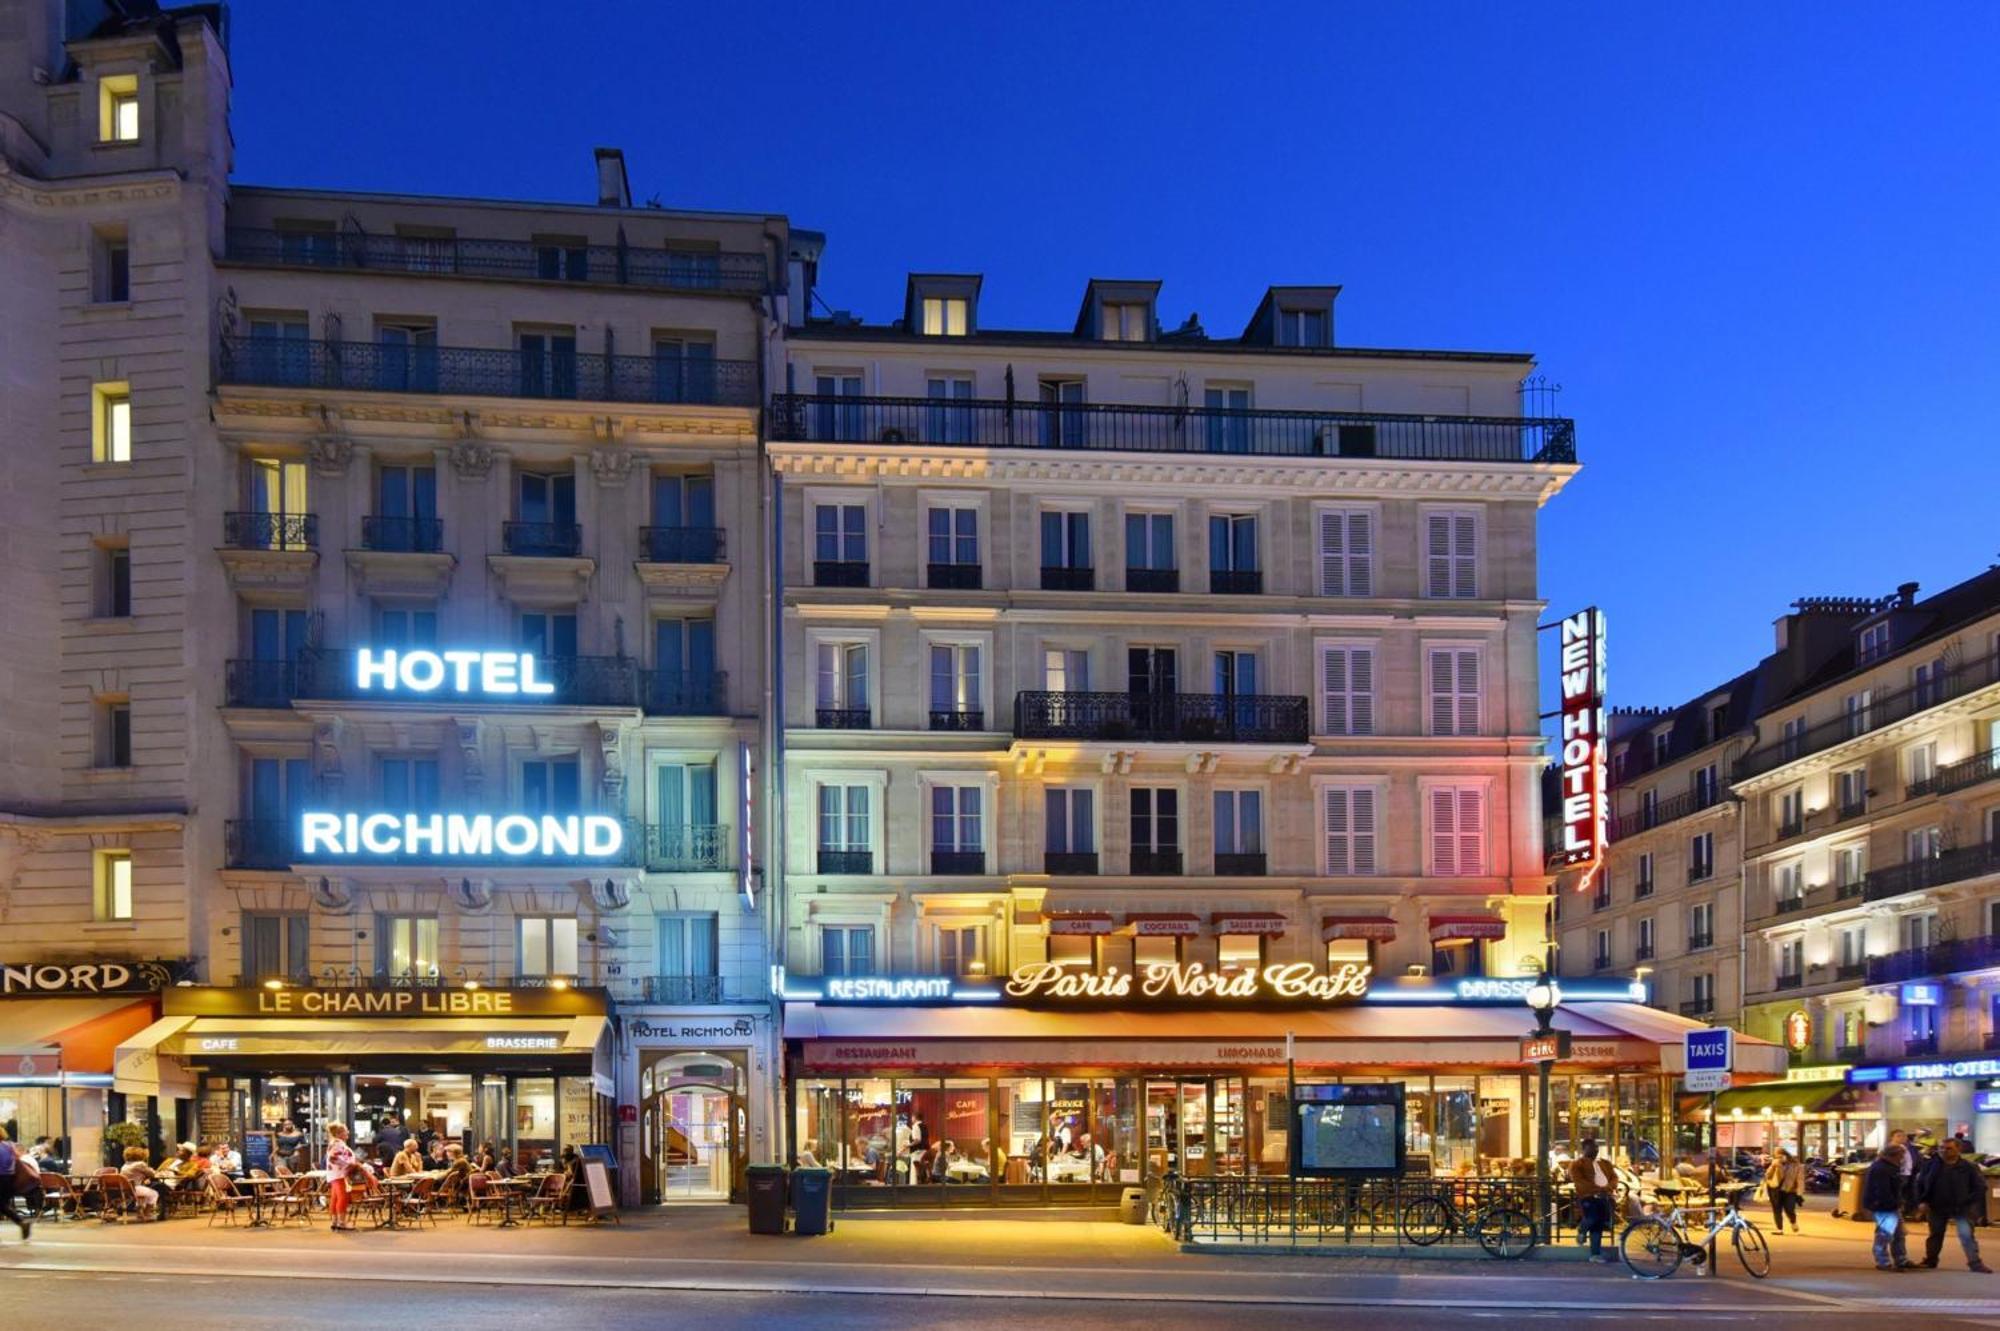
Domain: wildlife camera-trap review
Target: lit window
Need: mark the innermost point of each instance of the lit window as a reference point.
(113, 897)
(111, 423)
(1239, 952)
(1078, 950)
(1155, 950)
(1348, 952)
(548, 947)
(118, 109)
(944, 317)
(1125, 323)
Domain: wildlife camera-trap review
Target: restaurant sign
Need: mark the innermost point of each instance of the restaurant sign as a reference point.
(83, 978)
(1545, 1048)
(1192, 981)
(222, 1001)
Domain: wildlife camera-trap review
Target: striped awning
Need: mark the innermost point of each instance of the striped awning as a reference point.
(1446, 928)
(1163, 923)
(1374, 928)
(1079, 922)
(1248, 922)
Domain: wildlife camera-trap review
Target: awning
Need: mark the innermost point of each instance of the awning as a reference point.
(1079, 922)
(304, 1037)
(40, 1037)
(1375, 928)
(139, 1068)
(1157, 923)
(1447, 928)
(1827, 1097)
(1248, 922)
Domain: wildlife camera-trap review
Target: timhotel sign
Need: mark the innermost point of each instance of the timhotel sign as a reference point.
(215, 1001)
(1583, 739)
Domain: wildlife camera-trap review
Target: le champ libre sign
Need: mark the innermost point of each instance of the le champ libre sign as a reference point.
(224, 1001)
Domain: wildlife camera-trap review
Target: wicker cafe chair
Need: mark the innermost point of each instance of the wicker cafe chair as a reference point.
(482, 1198)
(227, 1200)
(59, 1199)
(546, 1201)
(116, 1202)
(294, 1203)
(365, 1196)
(421, 1202)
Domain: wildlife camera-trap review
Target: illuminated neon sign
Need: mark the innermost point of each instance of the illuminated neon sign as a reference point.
(591, 836)
(889, 988)
(1582, 766)
(502, 674)
(1932, 1071)
(1191, 980)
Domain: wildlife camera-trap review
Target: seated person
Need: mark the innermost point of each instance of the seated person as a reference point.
(142, 1176)
(178, 1166)
(226, 1159)
(408, 1160)
(807, 1159)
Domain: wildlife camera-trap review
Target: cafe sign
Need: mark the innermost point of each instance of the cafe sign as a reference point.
(1191, 981)
(83, 979)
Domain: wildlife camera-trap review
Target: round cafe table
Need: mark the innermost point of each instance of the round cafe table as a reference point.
(262, 1190)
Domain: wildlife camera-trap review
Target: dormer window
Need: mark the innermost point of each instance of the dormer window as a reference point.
(1718, 721)
(945, 316)
(118, 109)
(1302, 328)
(1125, 322)
(1661, 739)
(1874, 642)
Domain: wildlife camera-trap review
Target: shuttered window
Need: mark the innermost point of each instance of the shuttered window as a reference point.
(1451, 554)
(1454, 690)
(1347, 690)
(1458, 831)
(1349, 820)
(1346, 552)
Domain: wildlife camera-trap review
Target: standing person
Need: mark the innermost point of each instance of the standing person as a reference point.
(1594, 1181)
(1882, 1196)
(339, 1159)
(8, 1159)
(1956, 1198)
(1785, 1181)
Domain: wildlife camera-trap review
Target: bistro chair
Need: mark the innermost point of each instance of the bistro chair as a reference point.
(117, 1203)
(366, 1196)
(421, 1202)
(225, 1199)
(482, 1198)
(546, 1201)
(59, 1199)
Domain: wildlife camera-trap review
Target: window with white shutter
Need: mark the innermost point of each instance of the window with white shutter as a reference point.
(1454, 689)
(1458, 831)
(1451, 553)
(1349, 817)
(1346, 552)
(1347, 690)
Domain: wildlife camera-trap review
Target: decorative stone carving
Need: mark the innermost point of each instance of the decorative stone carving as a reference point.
(474, 770)
(611, 466)
(472, 895)
(611, 894)
(326, 757)
(330, 454)
(472, 460)
(335, 895)
(614, 763)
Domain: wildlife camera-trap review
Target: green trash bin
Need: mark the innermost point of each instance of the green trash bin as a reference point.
(812, 1201)
(767, 1186)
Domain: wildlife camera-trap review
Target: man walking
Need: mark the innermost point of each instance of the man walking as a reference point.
(1882, 1196)
(1956, 1198)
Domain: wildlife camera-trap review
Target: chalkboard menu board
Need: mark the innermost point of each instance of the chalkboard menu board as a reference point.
(257, 1151)
(213, 1116)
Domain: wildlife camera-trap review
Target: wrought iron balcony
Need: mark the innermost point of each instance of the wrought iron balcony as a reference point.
(579, 681)
(1152, 579)
(1073, 862)
(1849, 891)
(1788, 830)
(680, 989)
(1950, 957)
(1671, 809)
(957, 861)
(843, 718)
(1696, 942)
(840, 573)
(1920, 1046)
(955, 577)
(1847, 811)
(1600, 963)
(1850, 970)
(958, 718)
(1795, 981)
(1155, 863)
(661, 269)
(1238, 718)
(684, 693)
(1643, 952)
(413, 535)
(1968, 771)
(687, 847)
(1950, 866)
(370, 367)
(1064, 578)
(991, 423)
(1236, 581)
(681, 545)
(1698, 873)
(1698, 1007)
(1600, 900)
(1642, 889)
(270, 531)
(542, 540)
(1889, 708)
(846, 861)
(260, 683)
(1241, 864)
(1789, 905)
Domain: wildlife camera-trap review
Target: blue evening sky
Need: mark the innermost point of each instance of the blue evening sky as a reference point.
(1757, 244)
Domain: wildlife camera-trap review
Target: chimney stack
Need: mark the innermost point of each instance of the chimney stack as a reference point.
(1907, 594)
(613, 189)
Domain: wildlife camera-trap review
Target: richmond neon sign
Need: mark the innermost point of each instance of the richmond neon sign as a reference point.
(592, 836)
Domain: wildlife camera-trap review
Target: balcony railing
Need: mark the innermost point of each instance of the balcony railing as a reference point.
(1847, 811)
(843, 718)
(1698, 873)
(957, 718)
(955, 577)
(1850, 970)
(273, 843)
(684, 693)
(1643, 952)
(1152, 579)
(1600, 901)
(584, 681)
(1849, 891)
(542, 540)
(1077, 862)
(1236, 581)
(687, 847)
(1797, 981)
(1241, 864)
(260, 683)
(1920, 1046)
(1950, 866)
(1067, 578)
(846, 861)
(1600, 963)
(1239, 718)
(1642, 889)
(1662, 812)
(681, 545)
(1155, 863)
(370, 367)
(665, 269)
(990, 423)
(1696, 942)
(1968, 771)
(270, 531)
(1950, 957)
(1698, 1007)
(680, 989)
(1885, 710)
(957, 861)
(1789, 905)
(1791, 828)
(840, 573)
(402, 535)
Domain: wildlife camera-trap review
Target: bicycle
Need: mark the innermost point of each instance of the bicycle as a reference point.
(1503, 1228)
(1654, 1246)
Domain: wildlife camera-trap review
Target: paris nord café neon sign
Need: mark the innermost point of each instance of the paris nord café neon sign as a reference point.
(463, 674)
(1048, 984)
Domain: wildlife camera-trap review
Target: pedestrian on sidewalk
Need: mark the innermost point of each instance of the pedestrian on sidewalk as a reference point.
(1882, 1195)
(339, 1160)
(9, 1160)
(1785, 1182)
(1956, 1198)
(1594, 1181)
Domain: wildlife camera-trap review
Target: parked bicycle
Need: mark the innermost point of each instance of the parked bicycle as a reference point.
(1503, 1228)
(1654, 1246)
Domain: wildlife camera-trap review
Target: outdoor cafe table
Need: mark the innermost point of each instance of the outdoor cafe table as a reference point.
(513, 1190)
(260, 1189)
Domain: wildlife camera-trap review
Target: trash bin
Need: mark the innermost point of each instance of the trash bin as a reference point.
(767, 1187)
(1848, 1203)
(1132, 1206)
(812, 1201)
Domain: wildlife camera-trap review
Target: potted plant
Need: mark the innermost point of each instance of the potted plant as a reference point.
(120, 1137)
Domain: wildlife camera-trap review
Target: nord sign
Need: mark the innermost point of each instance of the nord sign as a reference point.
(470, 674)
(1582, 768)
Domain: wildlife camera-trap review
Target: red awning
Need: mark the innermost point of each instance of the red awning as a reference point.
(1163, 923)
(1447, 927)
(80, 1034)
(1079, 922)
(1248, 922)
(1374, 928)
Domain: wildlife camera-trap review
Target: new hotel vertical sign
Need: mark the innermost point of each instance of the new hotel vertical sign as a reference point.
(1583, 739)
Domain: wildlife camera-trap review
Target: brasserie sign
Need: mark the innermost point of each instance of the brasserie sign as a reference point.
(83, 978)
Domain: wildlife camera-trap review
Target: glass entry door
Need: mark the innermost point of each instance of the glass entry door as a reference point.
(1177, 1122)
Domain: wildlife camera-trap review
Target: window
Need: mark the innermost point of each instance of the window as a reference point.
(546, 947)
(1701, 924)
(275, 791)
(840, 685)
(1705, 786)
(1918, 930)
(406, 946)
(1600, 955)
(953, 546)
(840, 545)
(684, 678)
(1927, 683)
(118, 108)
(1066, 550)
(1239, 831)
(114, 732)
(684, 368)
(1341, 952)
(1791, 811)
(1874, 642)
(1645, 937)
(548, 363)
(1704, 992)
(1065, 670)
(1348, 819)
(1788, 884)
(406, 357)
(1851, 790)
(845, 843)
(950, 416)
(1302, 328)
(111, 267)
(548, 634)
(1858, 708)
(1718, 721)
(1125, 322)
(1228, 419)
(847, 949)
(1156, 829)
(1239, 952)
(1701, 857)
(562, 258)
(1792, 740)
(1069, 821)
(955, 687)
(1645, 874)
(1923, 843)
(1662, 744)
(961, 949)
(689, 838)
(407, 783)
(1347, 690)
(1923, 1025)
(1921, 761)
(114, 581)
(945, 316)
(551, 785)
(111, 873)
(688, 952)
(1232, 553)
(405, 626)
(1458, 830)
(405, 515)
(1154, 950)
(1073, 950)
(958, 841)
(111, 423)
(1649, 807)
(1236, 677)
(1064, 422)
(277, 946)
(546, 507)
(1346, 552)
(1453, 673)
(1853, 945)
(1850, 866)
(1451, 553)
(1150, 563)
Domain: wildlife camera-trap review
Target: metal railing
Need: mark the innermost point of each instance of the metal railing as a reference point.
(845, 861)
(402, 535)
(1073, 862)
(1794, 981)
(1319, 1212)
(680, 989)
(843, 718)
(1067, 578)
(684, 693)
(687, 847)
(1698, 1007)
(1920, 1045)
(1643, 952)
(1946, 958)
(840, 573)
(730, 272)
(372, 367)
(542, 540)
(1240, 864)
(955, 577)
(270, 531)
(1152, 580)
(1696, 942)
(1883, 711)
(1236, 581)
(1662, 812)
(681, 545)
(1241, 718)
(989, 423)
(1850, 970)
(958, 861)
(1948, 866)
(1155, 863)
(957, 718)
(1967, 771)
(259, 683)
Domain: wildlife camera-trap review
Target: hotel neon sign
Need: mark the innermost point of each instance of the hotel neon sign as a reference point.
(592, 836)
(1582, 761)
(469, 673)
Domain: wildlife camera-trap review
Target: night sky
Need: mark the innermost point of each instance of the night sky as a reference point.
(1757, 244)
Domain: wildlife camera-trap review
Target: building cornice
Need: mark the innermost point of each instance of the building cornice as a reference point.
(463, 417)
(26, 194)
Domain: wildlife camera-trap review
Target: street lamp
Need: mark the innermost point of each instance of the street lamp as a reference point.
(1542, 998)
